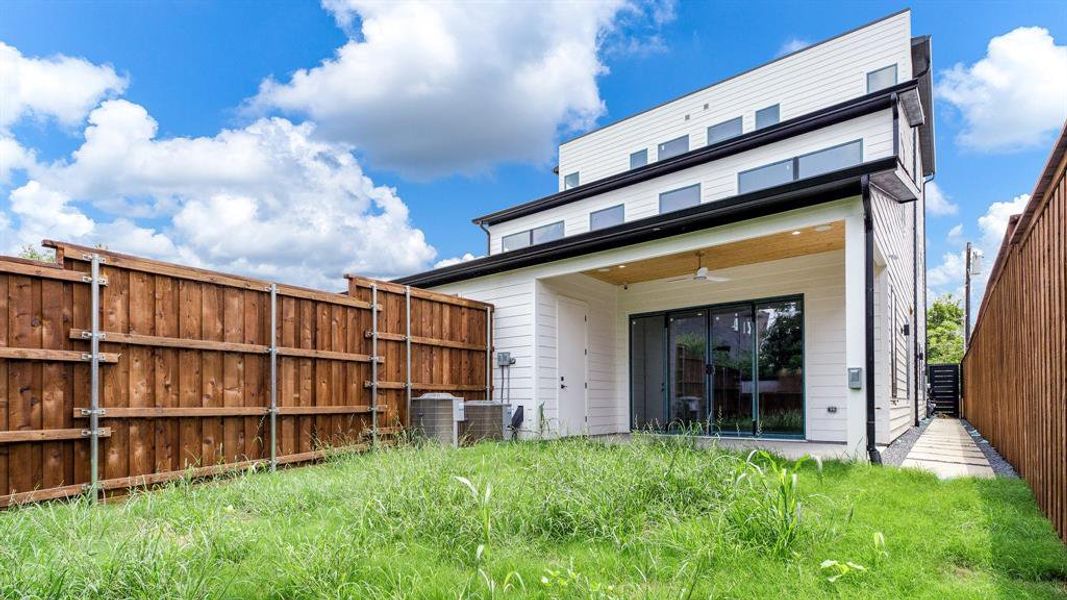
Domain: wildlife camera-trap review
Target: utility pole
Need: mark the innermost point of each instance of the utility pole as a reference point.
(967, 298)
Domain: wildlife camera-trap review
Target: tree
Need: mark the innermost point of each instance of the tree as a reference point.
(30, 252)
(944, 334)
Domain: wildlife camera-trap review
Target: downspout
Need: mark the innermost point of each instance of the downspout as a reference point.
(868, 275)
(915, 297)
(488, 238)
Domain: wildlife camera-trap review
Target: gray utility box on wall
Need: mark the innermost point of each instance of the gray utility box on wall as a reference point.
(450, 419)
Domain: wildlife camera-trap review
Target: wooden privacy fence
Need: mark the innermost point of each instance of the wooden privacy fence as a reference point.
(118, 371)
(1014, 371)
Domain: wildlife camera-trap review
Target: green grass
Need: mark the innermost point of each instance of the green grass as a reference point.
(573, 519)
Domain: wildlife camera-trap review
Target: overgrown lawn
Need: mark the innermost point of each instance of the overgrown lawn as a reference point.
(573, 519)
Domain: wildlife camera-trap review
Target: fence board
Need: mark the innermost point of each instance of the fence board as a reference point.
(186, 380)
(1015, 368)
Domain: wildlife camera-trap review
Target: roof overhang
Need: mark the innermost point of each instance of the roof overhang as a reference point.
(921, 66)
(798, 194)
(838, 113)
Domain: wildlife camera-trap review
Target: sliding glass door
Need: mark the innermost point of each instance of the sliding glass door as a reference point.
(734, 369)
(732, 389)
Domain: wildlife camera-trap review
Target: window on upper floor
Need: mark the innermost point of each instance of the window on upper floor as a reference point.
(673, 148)
(537, 235)
(765, 117)
(570, 181)
(765, 176)
(882, 78)
(724, 131)
(638, 159)
(830, 159)
(515, 241)
(807, 165)
(599, 219)
(548, 233)
(679, 198)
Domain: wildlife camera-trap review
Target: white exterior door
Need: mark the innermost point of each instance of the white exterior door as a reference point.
(571, 316)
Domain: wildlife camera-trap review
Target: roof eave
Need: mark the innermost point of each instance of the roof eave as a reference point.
(791, 196)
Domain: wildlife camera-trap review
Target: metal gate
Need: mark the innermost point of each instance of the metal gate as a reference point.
(945, 388)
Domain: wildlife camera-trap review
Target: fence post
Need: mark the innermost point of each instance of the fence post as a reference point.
(273, 376)
(94, 375)
(407, 349)
(489, 354)
(374, 365)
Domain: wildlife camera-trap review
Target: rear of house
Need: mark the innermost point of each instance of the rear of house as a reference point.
(745, 260)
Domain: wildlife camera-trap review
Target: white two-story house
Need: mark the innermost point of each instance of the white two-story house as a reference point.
(744, 260)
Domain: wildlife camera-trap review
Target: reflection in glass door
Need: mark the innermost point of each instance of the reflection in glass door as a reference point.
(732, 387)
(780, 347)
(647, 383)
(687, 359)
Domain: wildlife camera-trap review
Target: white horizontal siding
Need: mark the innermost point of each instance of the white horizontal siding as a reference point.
(718, 179)
(812, 79)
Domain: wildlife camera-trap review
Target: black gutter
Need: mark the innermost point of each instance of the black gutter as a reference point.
(868, 279)
(790, 196)
(838, 113)
(915, 297)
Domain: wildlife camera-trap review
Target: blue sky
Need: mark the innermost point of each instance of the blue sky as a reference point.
(199, 68)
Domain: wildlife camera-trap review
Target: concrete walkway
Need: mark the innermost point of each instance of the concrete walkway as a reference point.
(947, 450)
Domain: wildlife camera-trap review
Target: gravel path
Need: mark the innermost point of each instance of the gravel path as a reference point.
(894, 454)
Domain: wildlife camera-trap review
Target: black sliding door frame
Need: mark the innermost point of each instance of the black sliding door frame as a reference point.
(710, 400)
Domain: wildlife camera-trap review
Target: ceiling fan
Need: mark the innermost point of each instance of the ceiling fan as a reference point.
(702, 273)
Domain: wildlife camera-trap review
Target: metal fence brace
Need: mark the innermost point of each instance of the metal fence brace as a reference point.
(374, 364)
(94, 374)
(407, 348)
(273, 376)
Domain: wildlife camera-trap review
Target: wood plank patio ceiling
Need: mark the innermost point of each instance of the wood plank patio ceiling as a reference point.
(810, 240)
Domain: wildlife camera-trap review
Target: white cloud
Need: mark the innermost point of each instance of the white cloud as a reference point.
(937, 202)
(60, 87)
(429, 88)
(267, 199)
(791, 45)
(948, 276)
(448, 262)
(1015, 97)
(13, 157)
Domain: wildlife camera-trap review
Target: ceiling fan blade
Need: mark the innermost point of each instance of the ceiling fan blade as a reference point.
(682, 278)
(716, 278)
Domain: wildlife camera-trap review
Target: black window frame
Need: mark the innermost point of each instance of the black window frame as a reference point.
(533, 232)
(678, 189)
(796, 165)
(659, 147)
(740, 129)
(621, 207)
(777, 116)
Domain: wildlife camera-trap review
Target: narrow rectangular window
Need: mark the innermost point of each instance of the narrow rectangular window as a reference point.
(765, 117)
(673, 148)
(765, 176)
(882, 78)
(548, 233)
(724, 131)
(639, 159)
(516, 241)
(570, 181)
(599, 219)
(679, 199)
(830, 159)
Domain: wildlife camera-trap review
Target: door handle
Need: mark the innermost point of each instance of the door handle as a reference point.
(562, 385)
